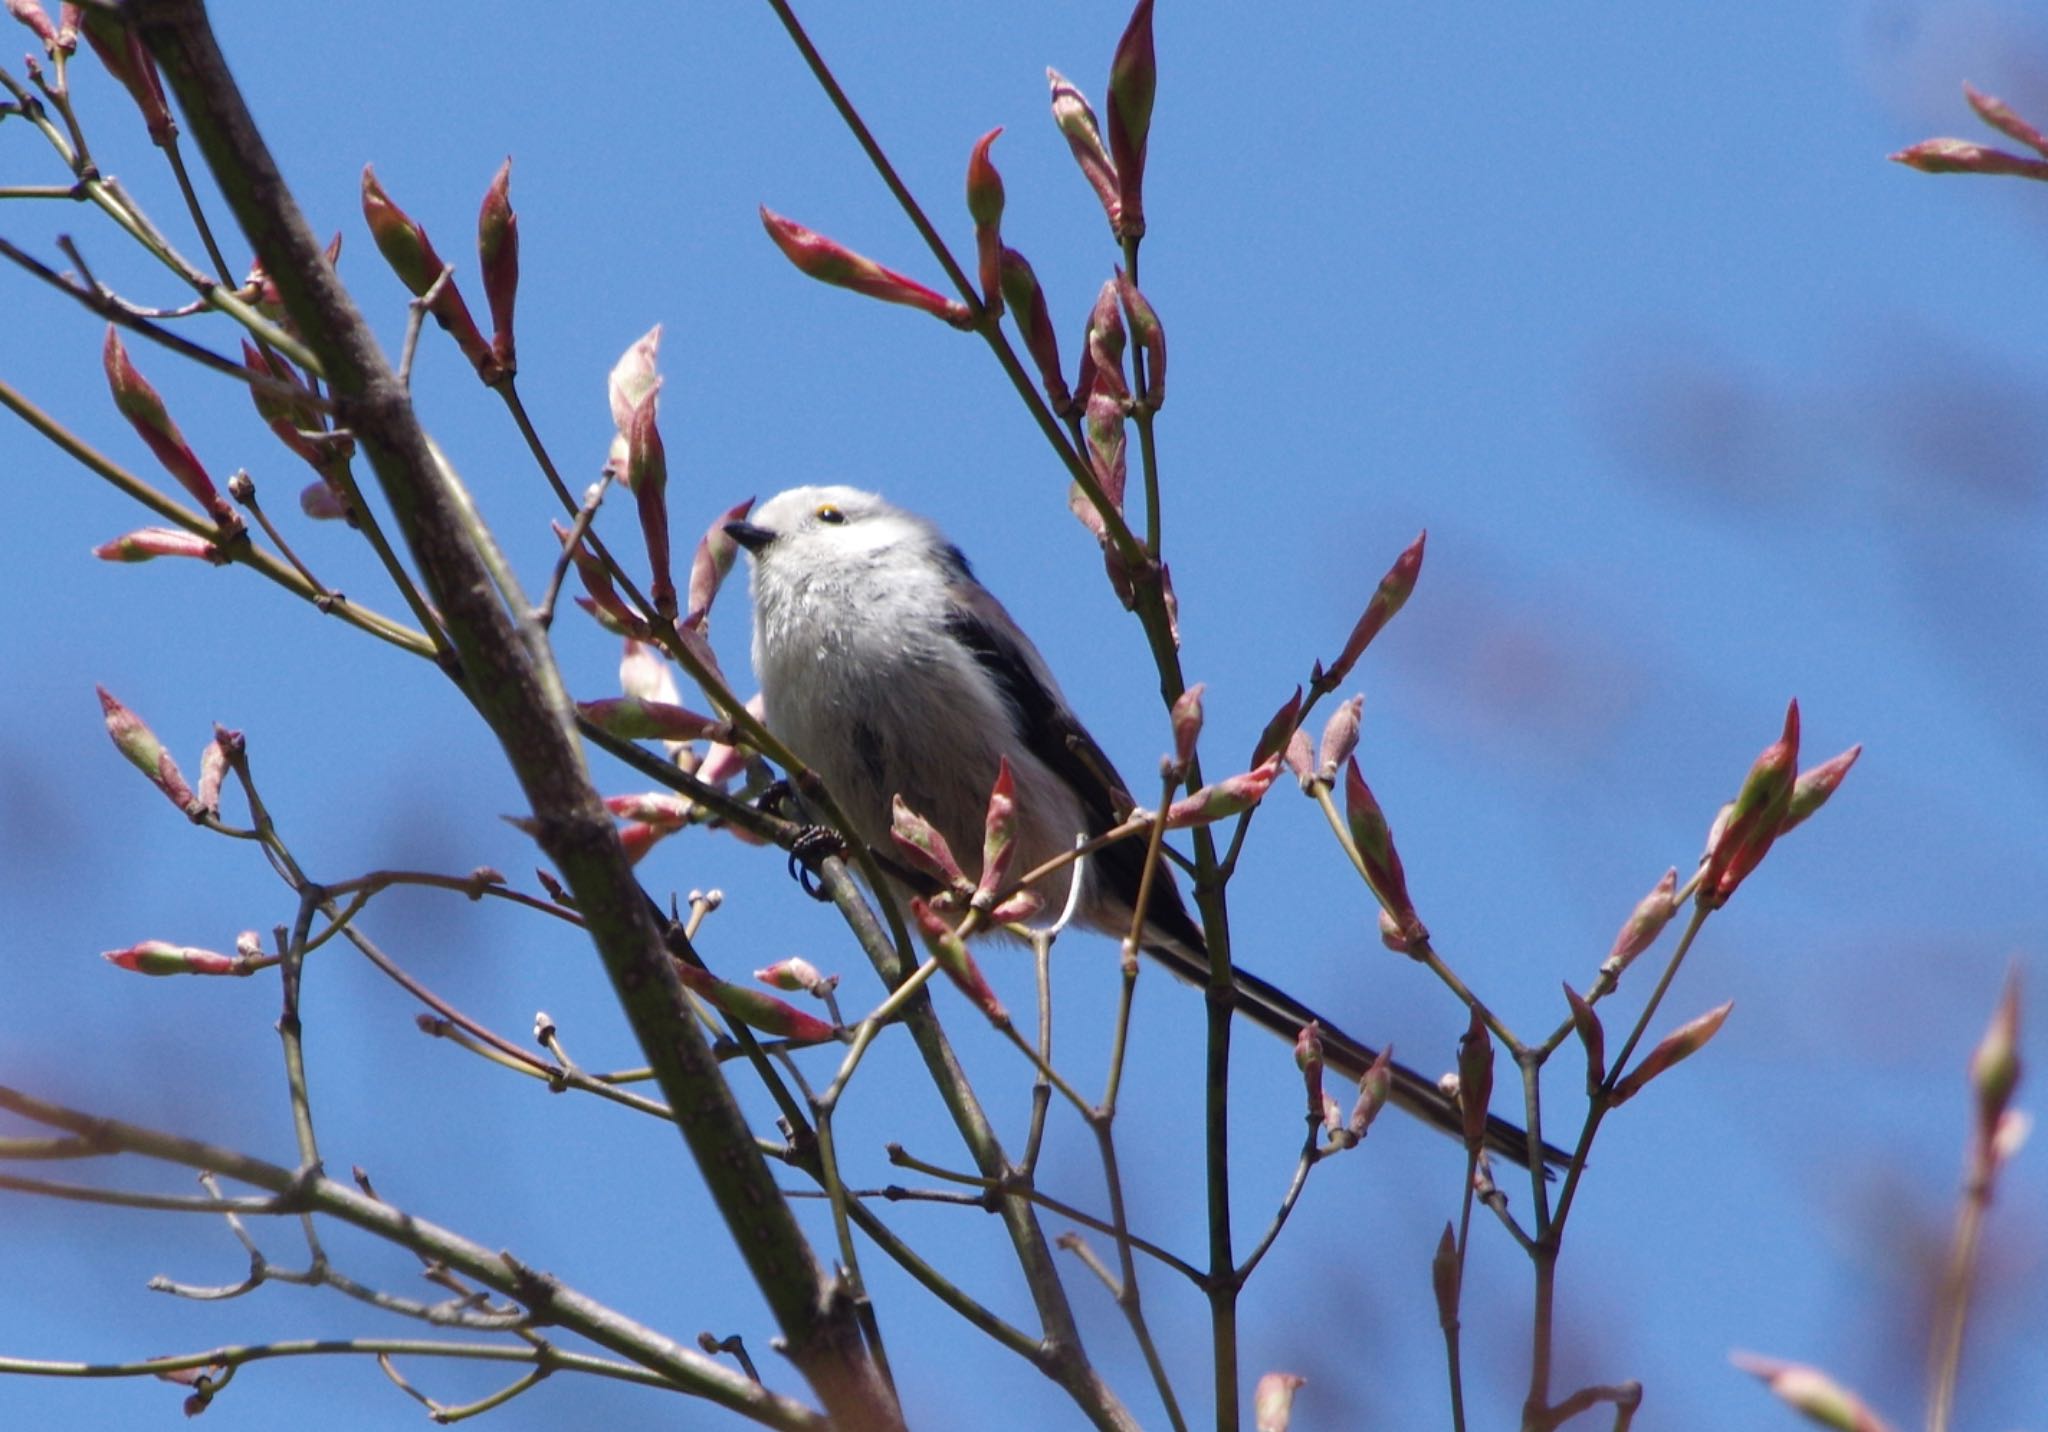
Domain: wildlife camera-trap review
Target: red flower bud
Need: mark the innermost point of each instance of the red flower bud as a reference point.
(1686, 1040)
(406, 247)
(951, 953)
(1151, 340)
(712, 563)
(1959, 156)
(1999, 115)
(145, 543)
(1226, 798)
(647, 475)
(497, 252)
(1308, 1058)
(134, 739)
(121, 50)
(32, 15)
(1102, 348)
(761, 1011)
(1374, 840)
(1387, 599)
(999, 833)
(920, 840)
(1375, 1087)
(1133, 79)
(797, 973)
(1647, 921)
(1590, 1033)
(1273, 739)
(1071, 112)
(1811, 791)
(160, 957)
(1475, 1080)
(1026, 302)
(1187, 723)
(139, 404)
(829, 261)
(632, 719)
(1756, 817)
(985, 206)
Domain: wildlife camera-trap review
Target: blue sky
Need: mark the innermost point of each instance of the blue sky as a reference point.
(1703, 404)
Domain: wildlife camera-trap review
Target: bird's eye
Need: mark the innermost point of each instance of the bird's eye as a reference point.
(831, 514)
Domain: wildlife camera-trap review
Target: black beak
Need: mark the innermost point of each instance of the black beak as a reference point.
(748, 535)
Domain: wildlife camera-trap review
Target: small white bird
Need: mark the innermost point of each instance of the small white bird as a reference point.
(889, 670)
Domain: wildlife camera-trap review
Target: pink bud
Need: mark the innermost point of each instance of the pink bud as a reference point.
(32, 15)
(1340, 739)
(638, 838)
(660, 808)
(712, 562)
(829, 261)
(406, 247)
(1133, 79)
(1999, 115)
(796, 973)
(1150, 337)
(1647, 921)
(1393, 936)
(1308, 1058)
(1187, 723)
(147, 542)
(644, 674)
(1686, 1040)
(761, 1011)
(1102, 349)
(1273, 1401)
(1811, 791)
(1104, 427)
(139, 404)
(632, 719)
(604, 602)
(497, 251)
(1387, 599)
(1959, 156)
(1756, 818)
(985, 207)
(1591, 1035)
(1225, 798)
(1274, 737)
(1076, 120)
(1374, 840)
(633, 380)
(134, 739)
(951, 953)
(160, 957)
(1375, 1087)
(920, 840)
(647, 475)
(1026, 302)
(1302, 760)
(121, 50)
(1812, 1393)
(321, 502)
(213, 767)
(999, 833)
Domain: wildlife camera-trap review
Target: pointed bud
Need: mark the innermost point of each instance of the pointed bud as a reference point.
(1187, 724)
(647, 475)
(1026, 302)
(128, 60)
(796, 973)
(660, 808)
(1686, 1040)
(757, 1010)
(1475, 1080)
(634, 379)
(1375, 1087)
(1071, 112)
(603, 602)
(1756, 818)
(1133, 79)
(1340, 739)
(1592, 1036)
(139, 404)
(1647, 921)
(134, 739)
(1995, 1066)
(951, 953)
(145, 543)
(1018, 906)
(927, 850)
(213, 767)
(1443, 1278)
(999, 834)
(1999, 115)
(644, 674)
(829, 261)
(160, 957)
(1102, 348)
(1812, 1393)
(1104, 427)
(1273, 739)
(33, 15)
(1150, 337)
(1387, 599)
(1273, 1401)
(406, 247)
(985, 206)
(1308, 1058)
(1302, 760)
(497, 252)
(712, 563)
(1815, 784)
(1225, 798)
(292, 415)
(1959, 156)
(631, 719)
(1374, 839)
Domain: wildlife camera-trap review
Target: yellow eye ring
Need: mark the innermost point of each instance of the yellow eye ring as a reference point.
(828, 513)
